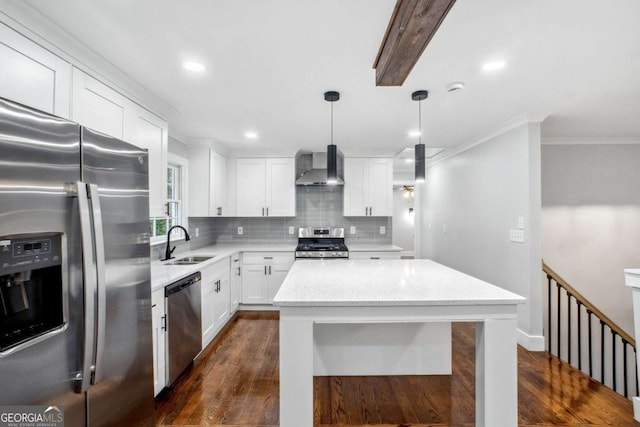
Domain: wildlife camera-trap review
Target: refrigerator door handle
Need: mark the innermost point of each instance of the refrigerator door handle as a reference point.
(90, 284)
(101, 281)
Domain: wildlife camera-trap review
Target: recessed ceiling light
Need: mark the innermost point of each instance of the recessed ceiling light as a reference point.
(414, 133)
(494, 65)
(251, 135)
(196, 67)
(408, 160)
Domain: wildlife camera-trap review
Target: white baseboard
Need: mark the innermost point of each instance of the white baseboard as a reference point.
(258, 307)
(531, 342)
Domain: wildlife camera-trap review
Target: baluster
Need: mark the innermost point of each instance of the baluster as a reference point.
(624, 365)
(559, 349)
(549, 310)
(569, 328)
(590, 313)
(635, 362)
(614, 361)
(601, 351)
(579, 337)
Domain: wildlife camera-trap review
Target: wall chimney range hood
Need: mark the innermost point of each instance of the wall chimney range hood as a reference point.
(311, 168)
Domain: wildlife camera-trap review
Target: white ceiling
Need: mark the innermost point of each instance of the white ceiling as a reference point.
(269, 62)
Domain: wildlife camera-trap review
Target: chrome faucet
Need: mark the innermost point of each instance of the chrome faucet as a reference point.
(169, 250)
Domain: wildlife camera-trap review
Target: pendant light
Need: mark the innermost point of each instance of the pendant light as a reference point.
(419, 96)
(332, 150)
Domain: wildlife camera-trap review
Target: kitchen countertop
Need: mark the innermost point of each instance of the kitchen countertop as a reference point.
(163, 274)
(385, 283)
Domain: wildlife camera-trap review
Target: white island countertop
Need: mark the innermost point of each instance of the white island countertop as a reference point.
(385, 283)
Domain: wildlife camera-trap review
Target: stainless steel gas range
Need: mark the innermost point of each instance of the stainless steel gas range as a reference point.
(321, 243)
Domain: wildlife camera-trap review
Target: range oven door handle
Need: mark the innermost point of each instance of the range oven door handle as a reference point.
(89, 284)
(101, 281)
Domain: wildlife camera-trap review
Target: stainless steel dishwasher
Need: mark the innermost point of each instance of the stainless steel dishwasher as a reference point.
(184, 322)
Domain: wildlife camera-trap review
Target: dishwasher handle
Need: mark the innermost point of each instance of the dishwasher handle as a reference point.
(181, 284)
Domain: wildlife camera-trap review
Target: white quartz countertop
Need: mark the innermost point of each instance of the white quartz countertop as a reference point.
(385, 283)
(163, 274)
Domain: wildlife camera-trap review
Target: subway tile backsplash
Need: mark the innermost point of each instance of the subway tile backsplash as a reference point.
(316, 206)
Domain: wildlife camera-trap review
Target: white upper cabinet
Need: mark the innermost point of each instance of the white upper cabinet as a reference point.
(146, 130)
(97, 106)
(217, 184)
(281, 187)
(33, 76)
(101, 108)
(368, 187)
(265, 187)
(207, 182)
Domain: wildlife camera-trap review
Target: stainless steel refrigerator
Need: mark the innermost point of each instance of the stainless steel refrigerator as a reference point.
(75, 294)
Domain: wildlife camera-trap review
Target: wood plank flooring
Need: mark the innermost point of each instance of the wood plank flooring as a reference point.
(235, 383)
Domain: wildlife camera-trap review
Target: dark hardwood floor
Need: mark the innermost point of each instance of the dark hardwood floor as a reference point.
(235, 383)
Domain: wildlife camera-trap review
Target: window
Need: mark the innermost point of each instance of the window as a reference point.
(176, 202)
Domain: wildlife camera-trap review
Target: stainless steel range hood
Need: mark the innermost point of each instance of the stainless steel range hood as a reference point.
(311, 168)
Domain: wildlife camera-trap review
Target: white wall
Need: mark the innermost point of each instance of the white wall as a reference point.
(469, 203)
(402, 220)
(591, 221)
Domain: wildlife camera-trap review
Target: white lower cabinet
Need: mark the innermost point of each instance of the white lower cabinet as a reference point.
(262, 274)
(215, 299)
(159, 326)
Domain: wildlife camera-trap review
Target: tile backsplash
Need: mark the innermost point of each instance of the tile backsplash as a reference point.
(316, 206)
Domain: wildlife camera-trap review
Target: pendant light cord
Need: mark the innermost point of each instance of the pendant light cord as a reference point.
(420, 122)
(332, 123)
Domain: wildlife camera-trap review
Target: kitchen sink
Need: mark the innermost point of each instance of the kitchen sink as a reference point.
(191, 260)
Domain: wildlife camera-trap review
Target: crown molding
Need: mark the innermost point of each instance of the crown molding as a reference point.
(590, 141)
(504, 127)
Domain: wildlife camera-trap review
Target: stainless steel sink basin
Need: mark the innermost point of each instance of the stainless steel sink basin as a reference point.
(190, 260)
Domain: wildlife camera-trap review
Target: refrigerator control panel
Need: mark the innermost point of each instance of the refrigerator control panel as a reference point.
(30, 251)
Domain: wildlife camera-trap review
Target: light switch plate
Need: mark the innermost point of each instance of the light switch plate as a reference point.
(521, 222)
(516, 236)
(291, 229)
(352, 229)
(444, 228)
(240, 230)
(197, 232)
(383, 229)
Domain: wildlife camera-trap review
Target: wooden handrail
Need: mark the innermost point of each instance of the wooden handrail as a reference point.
(588, 305)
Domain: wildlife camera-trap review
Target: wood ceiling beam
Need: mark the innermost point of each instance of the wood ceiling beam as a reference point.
(411, 28)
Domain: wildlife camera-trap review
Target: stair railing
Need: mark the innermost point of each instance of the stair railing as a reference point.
(567, 309)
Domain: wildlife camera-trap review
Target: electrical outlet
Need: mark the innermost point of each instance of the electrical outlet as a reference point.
(291, 229)
(240, 230)
(383, 229)
(521, 222)
(197, 232)
(352, 229)
(516, 236)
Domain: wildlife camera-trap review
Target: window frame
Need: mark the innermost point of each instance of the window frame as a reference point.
(173, 160)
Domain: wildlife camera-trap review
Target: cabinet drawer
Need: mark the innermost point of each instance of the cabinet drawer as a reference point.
(269, 258)
(374, 255)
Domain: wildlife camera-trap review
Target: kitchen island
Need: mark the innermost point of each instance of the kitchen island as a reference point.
(396, 292)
